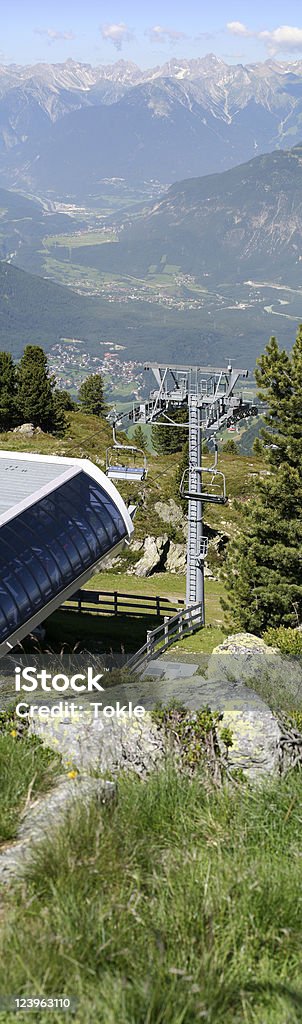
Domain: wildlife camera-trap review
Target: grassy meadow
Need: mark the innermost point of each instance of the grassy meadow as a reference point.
(175, 905)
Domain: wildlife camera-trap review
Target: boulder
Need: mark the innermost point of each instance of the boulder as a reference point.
(137, 545)
(245, 658)
(110, 563)
(111, 744)
(104, 744)
(25, 428)
(176, 558)
(208, 573)
(154, 557)
(28, 429)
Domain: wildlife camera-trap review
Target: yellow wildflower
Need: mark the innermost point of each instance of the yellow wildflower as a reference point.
(14, 732)
(72, 775)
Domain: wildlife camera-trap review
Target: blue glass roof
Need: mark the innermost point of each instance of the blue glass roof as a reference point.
(52, 543)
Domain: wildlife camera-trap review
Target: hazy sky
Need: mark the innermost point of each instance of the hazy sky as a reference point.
(148, 32)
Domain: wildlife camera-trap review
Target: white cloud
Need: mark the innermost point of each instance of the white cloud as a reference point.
(53, 35)
(238, 29)
(117, 34)
(285, 38)
(159, 34)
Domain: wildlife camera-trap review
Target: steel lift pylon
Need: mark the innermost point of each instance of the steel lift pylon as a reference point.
(211, 399)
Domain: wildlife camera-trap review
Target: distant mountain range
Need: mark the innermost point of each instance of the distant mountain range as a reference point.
(65, 127)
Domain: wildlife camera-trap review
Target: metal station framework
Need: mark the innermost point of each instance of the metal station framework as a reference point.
(209, 395)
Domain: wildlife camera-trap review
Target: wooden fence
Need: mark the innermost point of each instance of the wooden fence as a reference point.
(105, 602)
(174, 628)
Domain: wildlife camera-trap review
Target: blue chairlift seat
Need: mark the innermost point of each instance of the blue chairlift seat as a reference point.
(131, 473)
(127, 469)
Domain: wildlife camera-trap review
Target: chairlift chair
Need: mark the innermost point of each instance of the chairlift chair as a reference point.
(126, 462)
(216, 492)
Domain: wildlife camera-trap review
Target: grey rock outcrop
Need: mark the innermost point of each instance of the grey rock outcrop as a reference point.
(28, 429)
(176, 558)
(111, 563)
(111, 744)
(255, 729)
(245, 658)
(154, 557)
(137, 545)
(208, 573)
(104, 744)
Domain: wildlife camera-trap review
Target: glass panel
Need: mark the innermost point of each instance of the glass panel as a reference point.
(8, 613)
(14, 574)
(51, 544)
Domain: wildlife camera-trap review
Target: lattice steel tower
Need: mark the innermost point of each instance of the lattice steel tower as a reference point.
(209, 394)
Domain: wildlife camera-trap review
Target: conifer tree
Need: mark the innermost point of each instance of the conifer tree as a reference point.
(35, 392)
(263, 571)
(258, 446)
(8, 388)
(279, 378)
(91, 395)
(229, 447)
(64, 400)
(139, 439)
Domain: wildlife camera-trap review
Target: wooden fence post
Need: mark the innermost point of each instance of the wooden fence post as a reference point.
(115, 595)
(158, 606)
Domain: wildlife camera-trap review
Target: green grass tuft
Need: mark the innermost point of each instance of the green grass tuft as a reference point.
(27, 769)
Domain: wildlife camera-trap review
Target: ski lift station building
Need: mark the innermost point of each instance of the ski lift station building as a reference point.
(59, 518)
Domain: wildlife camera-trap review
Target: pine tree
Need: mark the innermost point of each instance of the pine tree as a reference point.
(230, 447)
(279, 378)
(8, 388)
(91, 395)
(64, 400)
(139, 439)
(258, 446)
(263, 571)
(35, 392)
(165, 440)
